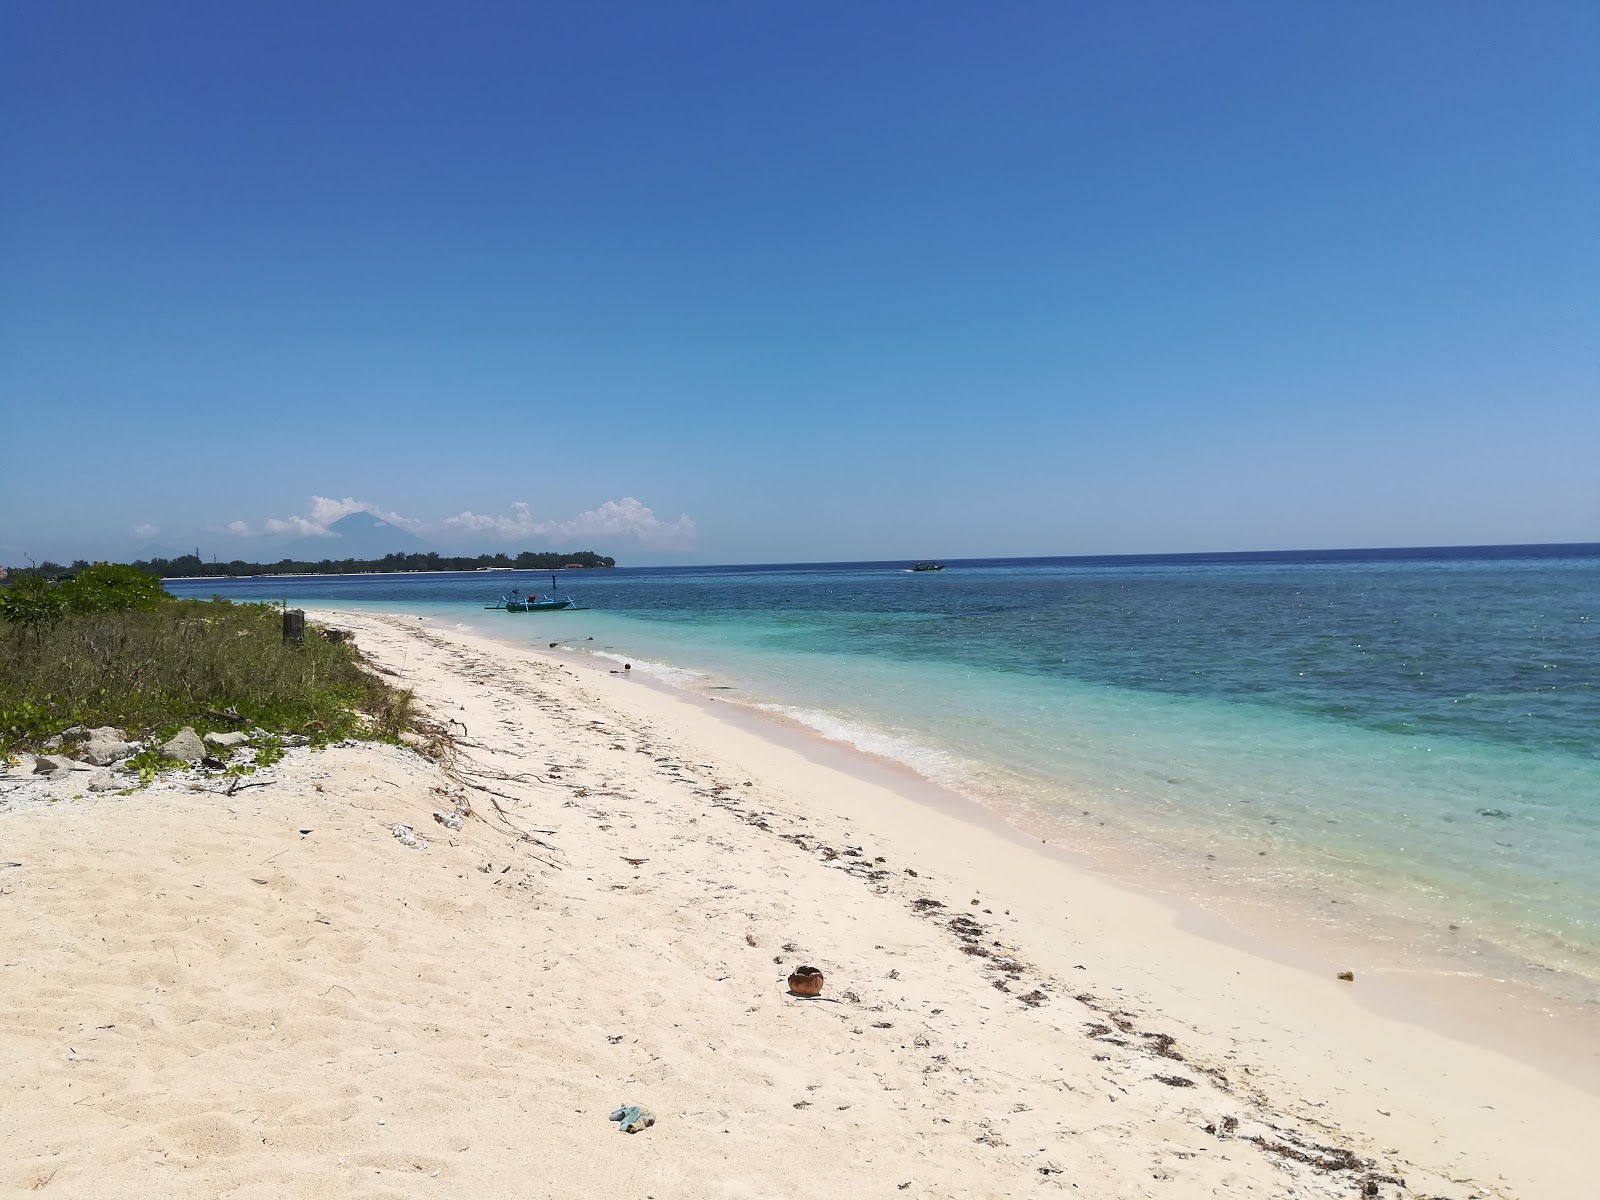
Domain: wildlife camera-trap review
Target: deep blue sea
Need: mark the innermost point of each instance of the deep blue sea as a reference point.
(1385, 743)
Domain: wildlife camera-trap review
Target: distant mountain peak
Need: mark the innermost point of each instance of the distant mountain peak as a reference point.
(362, 535)
(362, 520)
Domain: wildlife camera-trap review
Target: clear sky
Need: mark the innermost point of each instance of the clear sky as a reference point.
(754, 282)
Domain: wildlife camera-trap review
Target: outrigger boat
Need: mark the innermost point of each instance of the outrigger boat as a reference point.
(532, 602)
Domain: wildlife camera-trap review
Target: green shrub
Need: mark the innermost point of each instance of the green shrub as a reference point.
(151, 671)
(31, 603)
(107, 587)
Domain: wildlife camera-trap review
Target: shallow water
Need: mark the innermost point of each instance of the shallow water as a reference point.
(1394, 746)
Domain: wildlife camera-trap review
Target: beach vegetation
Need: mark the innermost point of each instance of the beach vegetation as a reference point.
(109, 651)
(31, 602)
(149, 762)
(109, 587)
(269, 748)
(394, 712)
(34, 601)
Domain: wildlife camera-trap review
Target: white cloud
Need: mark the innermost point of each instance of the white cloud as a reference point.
(625, 518)
(146, 530)
(615, 518)
(628, 518)
(297, 526)
(325, 512)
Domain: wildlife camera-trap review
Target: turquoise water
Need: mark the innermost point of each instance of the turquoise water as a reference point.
(1394, 747)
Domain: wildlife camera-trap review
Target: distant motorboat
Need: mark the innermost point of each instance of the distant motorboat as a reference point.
(928, 566)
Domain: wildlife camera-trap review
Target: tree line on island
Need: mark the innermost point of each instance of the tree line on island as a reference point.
(190, 565)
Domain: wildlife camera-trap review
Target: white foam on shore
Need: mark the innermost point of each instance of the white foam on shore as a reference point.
(665, 672)
(925, 760)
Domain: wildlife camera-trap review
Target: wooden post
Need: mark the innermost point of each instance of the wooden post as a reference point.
(294, 626)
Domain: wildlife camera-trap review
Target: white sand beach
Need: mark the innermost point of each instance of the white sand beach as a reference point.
(269, 995)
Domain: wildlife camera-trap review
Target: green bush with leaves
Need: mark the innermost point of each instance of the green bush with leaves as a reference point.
(107, 587)
(31, 603)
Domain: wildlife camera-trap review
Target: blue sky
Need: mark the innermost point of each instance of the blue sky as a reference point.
(736, 282)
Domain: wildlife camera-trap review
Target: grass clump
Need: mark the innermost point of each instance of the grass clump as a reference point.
(113, 654)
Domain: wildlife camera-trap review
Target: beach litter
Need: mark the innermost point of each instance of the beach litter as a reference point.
(631, 1118)
(407, 836)
(805, 981)
(449, 820)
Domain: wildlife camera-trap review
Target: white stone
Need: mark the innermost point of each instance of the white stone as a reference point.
(102, 752)
(185, 746)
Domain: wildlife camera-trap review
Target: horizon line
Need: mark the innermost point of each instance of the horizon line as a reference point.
(1528, 549)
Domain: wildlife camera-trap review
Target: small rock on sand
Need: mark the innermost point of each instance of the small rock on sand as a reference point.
(104, 747)
(236, 738)
(185, 746)
(104, 781)
(48, 764)
(69, 735)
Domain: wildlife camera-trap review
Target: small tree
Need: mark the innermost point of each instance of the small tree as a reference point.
(108, 587)
(32, 603)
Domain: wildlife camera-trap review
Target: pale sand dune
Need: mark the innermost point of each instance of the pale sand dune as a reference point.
(197, 1000)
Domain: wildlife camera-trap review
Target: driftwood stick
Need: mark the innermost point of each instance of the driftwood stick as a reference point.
(520, 832)
(492, 773)
(491, 793)
(486, 768)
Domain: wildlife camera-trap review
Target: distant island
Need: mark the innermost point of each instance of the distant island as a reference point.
(191, 566)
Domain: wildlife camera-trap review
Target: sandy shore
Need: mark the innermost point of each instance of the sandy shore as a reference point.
(200, 998)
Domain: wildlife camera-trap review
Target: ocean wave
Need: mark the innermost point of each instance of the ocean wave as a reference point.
(665, 672)
(927, 761)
